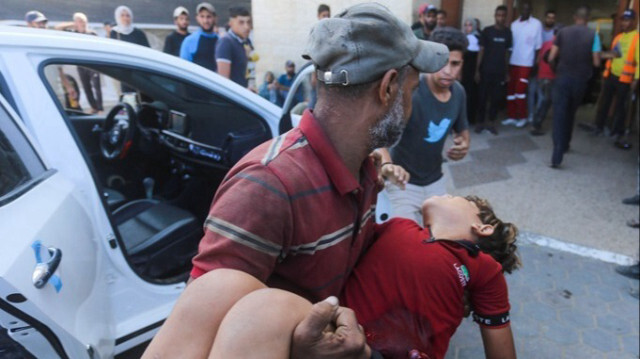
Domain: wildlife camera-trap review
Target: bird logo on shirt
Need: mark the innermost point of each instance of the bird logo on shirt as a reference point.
(436, 132)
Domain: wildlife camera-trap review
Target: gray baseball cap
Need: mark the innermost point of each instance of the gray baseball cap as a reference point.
(363, 42)
(205, 5)
(34, 16)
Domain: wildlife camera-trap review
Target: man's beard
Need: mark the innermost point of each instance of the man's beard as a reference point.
(388, 131)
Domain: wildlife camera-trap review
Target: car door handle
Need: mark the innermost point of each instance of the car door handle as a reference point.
(45, 270)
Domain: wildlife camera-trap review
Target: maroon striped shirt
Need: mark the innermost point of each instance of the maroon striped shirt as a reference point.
(291, 214)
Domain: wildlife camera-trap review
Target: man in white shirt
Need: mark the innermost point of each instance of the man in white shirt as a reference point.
(527, 40)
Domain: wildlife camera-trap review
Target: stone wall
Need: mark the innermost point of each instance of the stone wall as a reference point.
(281, 28)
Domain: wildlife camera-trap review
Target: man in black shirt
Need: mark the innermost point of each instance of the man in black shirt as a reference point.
(492, 68)
(173, 42)
(577, 49)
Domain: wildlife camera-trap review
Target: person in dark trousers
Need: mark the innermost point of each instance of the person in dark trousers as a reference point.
(544, 86)
(621, 76)
(89, 79)
(125, 30)
(174, 40)
(200, 46)
(577, 49)
(492, 70)
(231, 52)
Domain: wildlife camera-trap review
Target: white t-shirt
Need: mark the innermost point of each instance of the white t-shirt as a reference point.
(474, 44)
(527, 38)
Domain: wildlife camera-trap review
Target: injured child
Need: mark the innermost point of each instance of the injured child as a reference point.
(407, 291)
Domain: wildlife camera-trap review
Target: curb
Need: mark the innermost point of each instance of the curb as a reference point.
(605, 256)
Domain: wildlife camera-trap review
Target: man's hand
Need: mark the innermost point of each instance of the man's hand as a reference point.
(395, 174)
(460, 147)
(634, 86)
(329, 331)
(477, 77)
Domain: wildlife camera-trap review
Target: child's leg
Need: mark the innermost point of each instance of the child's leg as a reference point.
(191, 327)
(260, 325)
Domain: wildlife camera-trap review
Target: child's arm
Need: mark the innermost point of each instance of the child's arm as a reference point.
(498, 343)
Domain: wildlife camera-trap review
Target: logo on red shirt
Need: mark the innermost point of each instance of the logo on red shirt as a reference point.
(463, 274)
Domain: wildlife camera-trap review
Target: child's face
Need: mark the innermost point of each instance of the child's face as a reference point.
(450, 211)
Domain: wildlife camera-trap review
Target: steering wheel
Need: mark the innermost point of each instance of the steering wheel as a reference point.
(117, 134)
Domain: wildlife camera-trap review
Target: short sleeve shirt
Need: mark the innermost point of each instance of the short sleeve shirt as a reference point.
(496, 43)
(200, 48)
(527, 38)
(292, 215)
(575, 51)
(420, 148)
(173, 42)
(231, 49)
(544, 68)
(407, 290)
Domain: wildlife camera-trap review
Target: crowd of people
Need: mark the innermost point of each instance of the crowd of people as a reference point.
(381, 113)
(522, 63)
(227, 52)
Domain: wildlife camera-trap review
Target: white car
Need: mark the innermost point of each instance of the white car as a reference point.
(102, 210)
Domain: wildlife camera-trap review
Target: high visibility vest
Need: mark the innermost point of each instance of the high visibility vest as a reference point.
(629, 68)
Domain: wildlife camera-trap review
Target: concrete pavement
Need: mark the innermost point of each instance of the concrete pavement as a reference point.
(580, 203)
(563, 306)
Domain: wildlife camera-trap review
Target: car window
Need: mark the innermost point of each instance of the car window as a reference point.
(81, 90)
(18, 161)
(210, 117)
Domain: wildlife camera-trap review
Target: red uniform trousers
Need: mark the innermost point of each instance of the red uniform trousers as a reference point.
(517, 91)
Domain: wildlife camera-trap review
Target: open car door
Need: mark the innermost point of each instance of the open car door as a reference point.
(53, 301)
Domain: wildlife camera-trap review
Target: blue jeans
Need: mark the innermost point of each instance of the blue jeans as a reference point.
(567, 95)
(532, 96)
(545, 87)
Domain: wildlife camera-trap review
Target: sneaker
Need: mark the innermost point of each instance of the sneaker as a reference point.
(521, 123)
(632, 271)
(509, 121)
(632, 200)
(479, 128)
(492, 129)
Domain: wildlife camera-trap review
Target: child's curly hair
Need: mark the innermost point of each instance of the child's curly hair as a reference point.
(501, 244)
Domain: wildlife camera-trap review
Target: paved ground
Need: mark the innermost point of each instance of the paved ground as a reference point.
(563, 305)
(579, 203)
